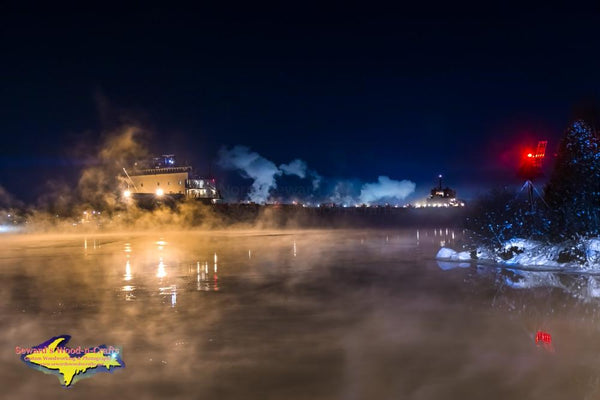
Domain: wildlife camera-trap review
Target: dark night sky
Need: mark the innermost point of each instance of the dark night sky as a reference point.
(355, 91)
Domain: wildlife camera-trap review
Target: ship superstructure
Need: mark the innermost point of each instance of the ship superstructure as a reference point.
(161, 177)
(441, 197)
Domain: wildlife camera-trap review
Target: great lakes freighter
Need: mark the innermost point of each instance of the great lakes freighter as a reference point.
(161, 178)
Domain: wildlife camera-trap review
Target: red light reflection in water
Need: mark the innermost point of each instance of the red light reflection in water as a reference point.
(544, 339)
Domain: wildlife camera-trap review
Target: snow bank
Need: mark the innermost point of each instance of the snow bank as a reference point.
(593, 250)
(584, 255)
(528, 253)
(446, 253)
(518, 251)
(520, 244)
(537, 257)
(523, 252)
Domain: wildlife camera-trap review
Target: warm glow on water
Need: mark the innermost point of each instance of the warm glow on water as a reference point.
(296, 315)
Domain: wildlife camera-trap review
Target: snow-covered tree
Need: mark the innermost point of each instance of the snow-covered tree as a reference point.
(502, 215)
(573, 191)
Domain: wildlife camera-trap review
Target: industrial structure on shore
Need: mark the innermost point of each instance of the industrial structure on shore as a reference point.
(441, 197)
(161, 178)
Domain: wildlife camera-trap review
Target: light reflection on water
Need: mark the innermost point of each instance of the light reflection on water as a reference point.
(298, 315)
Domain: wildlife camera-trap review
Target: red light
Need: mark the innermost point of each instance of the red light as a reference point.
(531, 162)
(544, 340)
(543, 337)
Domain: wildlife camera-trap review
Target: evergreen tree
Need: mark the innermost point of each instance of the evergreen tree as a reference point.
(573, 191)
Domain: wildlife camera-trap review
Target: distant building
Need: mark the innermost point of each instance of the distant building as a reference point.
(162, 177)
(441, 197)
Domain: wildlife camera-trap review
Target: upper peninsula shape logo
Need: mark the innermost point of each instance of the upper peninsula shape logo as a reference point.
(70, 364)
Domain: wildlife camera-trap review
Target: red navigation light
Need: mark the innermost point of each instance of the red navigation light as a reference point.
(531, 161)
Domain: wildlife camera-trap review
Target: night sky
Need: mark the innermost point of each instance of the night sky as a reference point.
(356, 91)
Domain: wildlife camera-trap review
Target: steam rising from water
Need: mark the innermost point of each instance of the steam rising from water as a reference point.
(6, 199)
(99, 184)
(97, 199)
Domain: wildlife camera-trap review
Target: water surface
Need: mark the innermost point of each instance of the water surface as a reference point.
(348, 314)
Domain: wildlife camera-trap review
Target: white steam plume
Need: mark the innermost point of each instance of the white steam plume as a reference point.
(316, 180)
(253, 166)
(300, 169)
(344, 192)
(386, 188)
(264, 172)
(296, 167)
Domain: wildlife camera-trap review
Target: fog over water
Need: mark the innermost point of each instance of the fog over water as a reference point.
(296, 314)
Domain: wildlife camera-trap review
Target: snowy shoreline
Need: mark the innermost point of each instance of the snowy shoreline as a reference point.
(583, 255)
